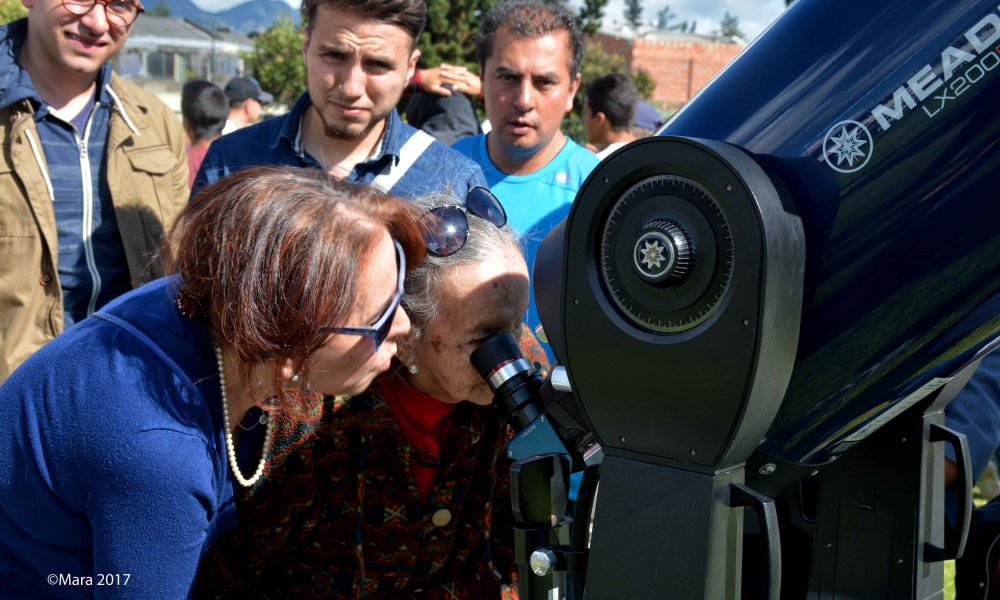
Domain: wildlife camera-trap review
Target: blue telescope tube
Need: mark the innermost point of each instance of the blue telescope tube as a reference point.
(883, 119)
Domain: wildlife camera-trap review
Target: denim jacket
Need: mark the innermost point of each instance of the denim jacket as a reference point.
(278, 141)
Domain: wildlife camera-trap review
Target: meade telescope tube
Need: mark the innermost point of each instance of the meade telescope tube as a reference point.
(776, 296)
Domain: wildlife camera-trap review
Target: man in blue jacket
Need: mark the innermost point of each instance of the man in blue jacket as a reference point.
(359, 58)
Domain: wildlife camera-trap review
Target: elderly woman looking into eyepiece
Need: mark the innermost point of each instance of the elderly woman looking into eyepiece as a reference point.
(118, 440)
(401, 491)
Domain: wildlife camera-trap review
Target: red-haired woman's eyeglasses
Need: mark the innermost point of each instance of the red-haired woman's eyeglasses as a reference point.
(380, 330)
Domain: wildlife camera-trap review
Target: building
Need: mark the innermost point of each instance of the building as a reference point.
(161, 53)
(680, 63)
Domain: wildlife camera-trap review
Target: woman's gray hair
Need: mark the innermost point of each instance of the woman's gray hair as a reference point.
(421, 287)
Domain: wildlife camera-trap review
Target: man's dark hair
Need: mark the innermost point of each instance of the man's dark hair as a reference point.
(614, 95)
(529, 19)
(408, 14)
(206, 108)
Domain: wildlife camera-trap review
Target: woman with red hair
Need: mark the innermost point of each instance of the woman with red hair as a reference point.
(401, 491)
(119, 438)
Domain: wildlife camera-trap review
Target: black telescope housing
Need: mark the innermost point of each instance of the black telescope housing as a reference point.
(760, 315)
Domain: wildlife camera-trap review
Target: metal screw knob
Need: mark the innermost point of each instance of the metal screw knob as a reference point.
(542, 562)
(767, 469)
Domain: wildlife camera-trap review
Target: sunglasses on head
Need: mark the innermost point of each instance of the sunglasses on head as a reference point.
(446, 228)
(380, 330)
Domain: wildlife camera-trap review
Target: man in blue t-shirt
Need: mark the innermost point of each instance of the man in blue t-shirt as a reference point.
(529, 58)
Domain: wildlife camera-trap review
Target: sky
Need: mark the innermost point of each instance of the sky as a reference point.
(754, 15)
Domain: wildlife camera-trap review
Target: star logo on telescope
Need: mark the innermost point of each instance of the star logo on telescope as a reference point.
(848, 146)
(652, 254)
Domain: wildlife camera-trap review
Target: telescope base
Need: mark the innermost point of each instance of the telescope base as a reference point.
(661, 532)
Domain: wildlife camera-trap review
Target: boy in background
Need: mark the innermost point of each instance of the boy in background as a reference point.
(205, 108)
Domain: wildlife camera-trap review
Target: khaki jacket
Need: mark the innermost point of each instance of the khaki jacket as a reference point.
(147, 174)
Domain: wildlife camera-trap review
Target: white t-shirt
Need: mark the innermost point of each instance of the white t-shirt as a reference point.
(229, 128)
(600, 155)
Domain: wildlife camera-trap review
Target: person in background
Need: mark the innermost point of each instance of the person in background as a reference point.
(402, 491)
(93, 171)
(245, 103)
(529, 57)
(118, 440)
(609, 110)
(448, 118)
(359, 55)
(204, 107)
(444, 79)
(647, 120)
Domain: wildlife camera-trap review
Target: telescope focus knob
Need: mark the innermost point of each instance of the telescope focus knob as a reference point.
(663, 254)
(542, 562)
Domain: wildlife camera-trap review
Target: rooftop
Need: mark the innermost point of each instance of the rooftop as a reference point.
(149, 31)
(629, 32)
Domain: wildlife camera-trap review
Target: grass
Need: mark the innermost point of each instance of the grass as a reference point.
(949, 565)
(949, 580)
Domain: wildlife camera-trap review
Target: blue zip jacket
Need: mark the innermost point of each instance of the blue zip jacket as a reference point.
(113, 456)
(278, 141)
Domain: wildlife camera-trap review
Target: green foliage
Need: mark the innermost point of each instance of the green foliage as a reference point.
(161, 9)
(730, 26)
(450, 34)
(644, 84)
(591, 14)
(276, 60)
(633, 12)
(11, 10)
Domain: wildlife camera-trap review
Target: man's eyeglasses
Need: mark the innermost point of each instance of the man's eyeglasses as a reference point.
(446, 228)
(380, 330)
(119, 13)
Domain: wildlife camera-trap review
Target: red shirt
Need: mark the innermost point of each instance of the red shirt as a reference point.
(195, 156)
(424, 422)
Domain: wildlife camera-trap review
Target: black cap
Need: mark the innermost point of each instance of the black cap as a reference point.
(240, 89)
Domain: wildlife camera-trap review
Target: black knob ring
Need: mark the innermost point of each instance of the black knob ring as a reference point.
(663, 254)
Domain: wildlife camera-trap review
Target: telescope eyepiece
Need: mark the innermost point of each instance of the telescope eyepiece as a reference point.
(513, 382)
(498, 359)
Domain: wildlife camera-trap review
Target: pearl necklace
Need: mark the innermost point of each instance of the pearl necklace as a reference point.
(230, 450)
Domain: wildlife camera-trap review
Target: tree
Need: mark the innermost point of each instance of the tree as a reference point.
(11, 10)
(276, 60)
(450, 33)
(161, 9)
(663, 17)
(730, 26)
(591, 14)
(633, 12)
(644, 84)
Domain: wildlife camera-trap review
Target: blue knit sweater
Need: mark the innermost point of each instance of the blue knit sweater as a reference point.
(113, 457)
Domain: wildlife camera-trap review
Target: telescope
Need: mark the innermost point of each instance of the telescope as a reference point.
(759, 315)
